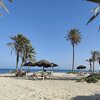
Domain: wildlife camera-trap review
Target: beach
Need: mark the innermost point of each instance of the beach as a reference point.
(13, 88)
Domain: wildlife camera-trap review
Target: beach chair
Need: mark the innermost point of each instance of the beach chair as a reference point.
(35, 76)
(48, 75)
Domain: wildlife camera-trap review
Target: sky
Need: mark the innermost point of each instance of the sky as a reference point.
(46, 23)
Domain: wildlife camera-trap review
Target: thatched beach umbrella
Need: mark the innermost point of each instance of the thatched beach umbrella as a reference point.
(29, 64)
(81, 67)
(43, 63)
(54, 65)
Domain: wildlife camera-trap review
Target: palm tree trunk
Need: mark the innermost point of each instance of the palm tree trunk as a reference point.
(17, 60)
(73, 59)
(43, 73)
(21, 67)
(90, 67)
(93, 66)
(52, 69)
(80, 71)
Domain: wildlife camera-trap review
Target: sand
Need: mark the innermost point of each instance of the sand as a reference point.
(12, 88)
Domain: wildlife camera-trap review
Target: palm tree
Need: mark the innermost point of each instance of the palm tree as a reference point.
(95, 57)
(90, 63)
(18, 45)
(31, 55)
(74, 37)
(28, 54)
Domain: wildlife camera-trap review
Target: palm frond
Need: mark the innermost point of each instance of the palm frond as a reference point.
(99, 28)
(92, 18)
(11, 44)
(11, 1)
(74, 36)
(3, 6)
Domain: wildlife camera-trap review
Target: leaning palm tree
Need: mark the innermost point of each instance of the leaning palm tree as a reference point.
(28, 54)
(18, 45)
(74, 37)
(31, 55)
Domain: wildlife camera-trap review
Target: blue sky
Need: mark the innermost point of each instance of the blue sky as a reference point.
(45, 23)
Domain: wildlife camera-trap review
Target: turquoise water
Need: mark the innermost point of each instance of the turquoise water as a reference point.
(3, 71)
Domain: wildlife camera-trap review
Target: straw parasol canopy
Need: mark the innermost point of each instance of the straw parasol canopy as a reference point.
(29, 64)
(54, 65)
(81, 67)
(43, 63)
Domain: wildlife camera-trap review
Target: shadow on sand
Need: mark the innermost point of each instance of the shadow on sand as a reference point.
(91, 97)
(52, 78)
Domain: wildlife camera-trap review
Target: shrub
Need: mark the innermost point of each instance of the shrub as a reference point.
(91, 79)
(95, 75)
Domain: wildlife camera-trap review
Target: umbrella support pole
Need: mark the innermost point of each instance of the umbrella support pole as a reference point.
(43, 72)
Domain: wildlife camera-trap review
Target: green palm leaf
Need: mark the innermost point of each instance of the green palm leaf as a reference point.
(99, 28)
(92, 18)
(3, 6)
(74, 36)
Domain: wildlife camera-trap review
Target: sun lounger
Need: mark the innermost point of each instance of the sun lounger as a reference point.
(40, 75)
(35, 76)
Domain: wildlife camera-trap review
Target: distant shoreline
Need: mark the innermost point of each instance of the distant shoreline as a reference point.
(3, 71)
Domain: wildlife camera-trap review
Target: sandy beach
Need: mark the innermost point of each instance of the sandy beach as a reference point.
(49, 50)
(12, 88)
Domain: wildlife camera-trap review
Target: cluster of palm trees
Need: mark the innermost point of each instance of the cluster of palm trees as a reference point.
(23, 49)
(95, 57)
(74, 36)
(95, 54)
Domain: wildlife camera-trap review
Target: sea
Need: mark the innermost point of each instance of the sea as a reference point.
(8, 70)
